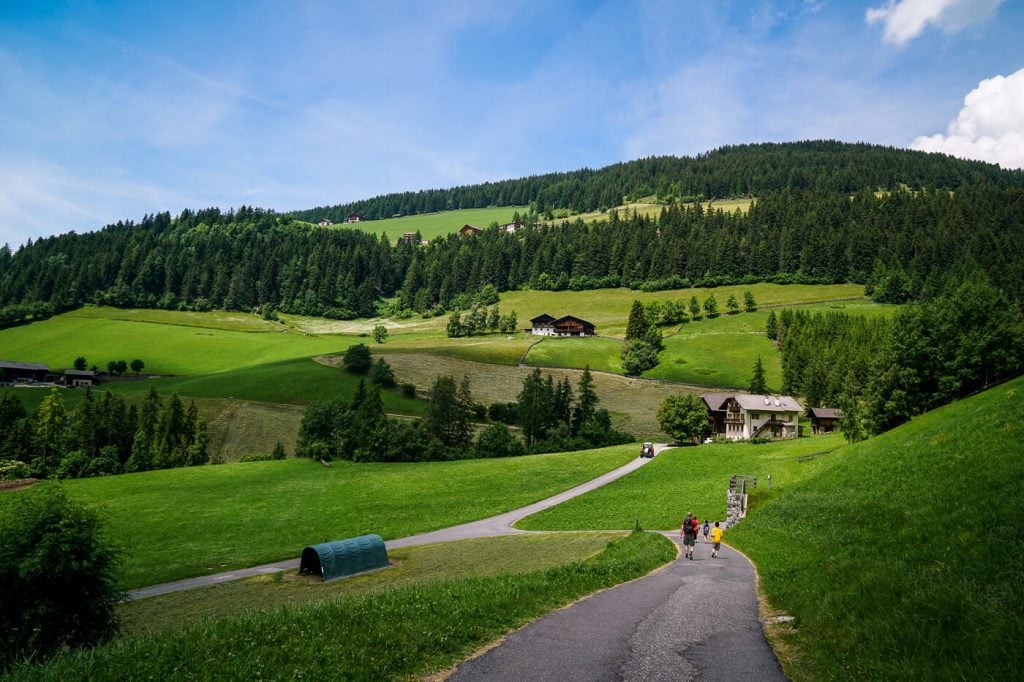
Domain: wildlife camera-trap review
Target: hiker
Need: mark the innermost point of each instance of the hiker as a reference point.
(689, 534)
(706, 530)
(716, 539)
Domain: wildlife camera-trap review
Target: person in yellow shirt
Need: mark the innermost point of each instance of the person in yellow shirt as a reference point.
(716, 539)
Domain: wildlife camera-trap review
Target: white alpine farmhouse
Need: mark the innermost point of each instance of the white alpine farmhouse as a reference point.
(739, 416)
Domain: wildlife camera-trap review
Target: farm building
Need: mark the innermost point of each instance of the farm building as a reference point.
(31, 372)
(511, 228)
(469, 230)
(738, 416)
(77, 378)
(546, 325)
(354, 218)
(825, 419)
(325, 222)
(410, 238)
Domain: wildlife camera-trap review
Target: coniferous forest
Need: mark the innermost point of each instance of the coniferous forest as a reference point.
(900, 222)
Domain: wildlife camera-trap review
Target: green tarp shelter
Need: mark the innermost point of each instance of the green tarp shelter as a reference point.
(333, 560)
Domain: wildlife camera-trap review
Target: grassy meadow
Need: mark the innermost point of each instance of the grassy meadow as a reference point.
(404, 633)
(434, 225)
(177, 523)
(684, 479)
(903, 556)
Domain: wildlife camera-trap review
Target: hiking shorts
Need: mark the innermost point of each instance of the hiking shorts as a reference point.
(717, 546)
(688, 540)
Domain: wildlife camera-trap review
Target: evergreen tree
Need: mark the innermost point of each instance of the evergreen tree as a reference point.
(454, 327)
(636, 326)
(758, 385)
(80, 363)
(141, 458)
(532, 408)
(51, 419)
(446, 418)
(772, 326)
(732, 305)
(694, 308)
(749, 304)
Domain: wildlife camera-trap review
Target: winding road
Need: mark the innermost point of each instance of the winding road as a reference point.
(693, 619)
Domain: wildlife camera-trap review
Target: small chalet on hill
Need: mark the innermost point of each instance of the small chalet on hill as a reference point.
(511, 228)
(354, 218)
(325, 222)
(469, 230)
(825, 419)
(410, 238)
(739, 416)
(546, 325)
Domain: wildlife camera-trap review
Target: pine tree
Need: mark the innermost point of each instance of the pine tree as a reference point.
(732, 305)
(637, 325)
(772, 326)
(749, 304)
(758, 384)
(51, 418)
(694, 308)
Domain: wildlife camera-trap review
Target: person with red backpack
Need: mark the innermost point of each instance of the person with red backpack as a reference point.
(689, 534)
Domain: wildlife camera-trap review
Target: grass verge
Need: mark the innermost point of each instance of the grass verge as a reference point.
(397, 634)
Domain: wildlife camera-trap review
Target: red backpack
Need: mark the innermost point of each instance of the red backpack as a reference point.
(695, 524)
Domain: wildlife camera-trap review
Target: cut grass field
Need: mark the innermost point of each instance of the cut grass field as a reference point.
(903, 557)
(178, 523)
(403, 633)
(685, 479)
(476, 558)
(434, 225)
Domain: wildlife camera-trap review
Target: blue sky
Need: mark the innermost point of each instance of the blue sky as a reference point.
(111, 110)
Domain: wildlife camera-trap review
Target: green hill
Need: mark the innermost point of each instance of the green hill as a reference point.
(903, 556)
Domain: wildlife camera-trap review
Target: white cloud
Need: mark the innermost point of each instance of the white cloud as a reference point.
(990, 127)
(905, 20)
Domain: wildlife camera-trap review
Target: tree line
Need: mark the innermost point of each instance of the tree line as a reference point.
(731, 171)
(104, 435)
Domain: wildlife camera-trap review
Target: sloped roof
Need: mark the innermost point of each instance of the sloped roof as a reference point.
(32, 366)
(542, 319)
(79, 373)
(826, 412)
(566, 318)
(776, 403)
(716, 401)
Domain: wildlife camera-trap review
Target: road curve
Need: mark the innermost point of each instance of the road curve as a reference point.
(489, 527)
(693, 620)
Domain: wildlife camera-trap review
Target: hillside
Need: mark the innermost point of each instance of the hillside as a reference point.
(811, 228)
(731, 171)
(903, 556)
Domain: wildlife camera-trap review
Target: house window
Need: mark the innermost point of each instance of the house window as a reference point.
(753, 415)
(787, 418)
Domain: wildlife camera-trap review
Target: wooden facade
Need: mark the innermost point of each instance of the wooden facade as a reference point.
(825, 419)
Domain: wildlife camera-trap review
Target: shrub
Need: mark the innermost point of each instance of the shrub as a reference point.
(12, 470)
(357, 359)
(254, 457)
(409, 390)
(57, 572)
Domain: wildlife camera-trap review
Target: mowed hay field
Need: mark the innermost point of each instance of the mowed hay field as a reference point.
(177, 523)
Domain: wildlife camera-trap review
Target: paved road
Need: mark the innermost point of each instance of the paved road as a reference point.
(695, 620)
(489, 527)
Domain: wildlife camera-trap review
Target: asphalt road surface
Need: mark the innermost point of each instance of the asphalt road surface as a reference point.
(694, 620)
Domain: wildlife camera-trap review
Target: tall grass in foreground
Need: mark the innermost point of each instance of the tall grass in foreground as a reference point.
(904, 557)
(395, 634)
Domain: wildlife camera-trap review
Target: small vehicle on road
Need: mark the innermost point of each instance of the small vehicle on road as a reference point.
(647, 450)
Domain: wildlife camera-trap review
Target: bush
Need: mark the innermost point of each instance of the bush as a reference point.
(57, 572)
(12, 470)
(409, 390)
(253, 457)
(357, 359)
(497, 441)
